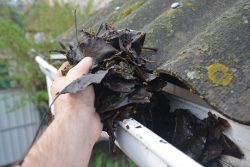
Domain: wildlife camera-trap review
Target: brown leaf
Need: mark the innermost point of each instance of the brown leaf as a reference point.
(81, 83)
(120, 85)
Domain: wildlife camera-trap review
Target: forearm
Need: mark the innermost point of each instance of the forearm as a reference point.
(68, 141)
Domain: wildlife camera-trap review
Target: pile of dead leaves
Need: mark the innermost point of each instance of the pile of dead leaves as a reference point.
(119, 74)
(124, 86)
(201, 139)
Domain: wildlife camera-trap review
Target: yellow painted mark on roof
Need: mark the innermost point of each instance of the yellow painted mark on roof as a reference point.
(219, 74)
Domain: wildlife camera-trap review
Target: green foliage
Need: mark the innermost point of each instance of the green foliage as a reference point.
(16, 47)
(41, 97)
(17, 40)
(53, 20)
(12, 37)
(4, 79)
(101, 159)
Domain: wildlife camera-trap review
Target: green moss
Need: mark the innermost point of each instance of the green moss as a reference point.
(190, 5)
(181, 56)
(66, 69)
(92, 31)
(129, 10)
(204, 48)
(170, 13)
(170, 16)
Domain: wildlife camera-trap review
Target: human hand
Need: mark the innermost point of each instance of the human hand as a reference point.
(82, 102)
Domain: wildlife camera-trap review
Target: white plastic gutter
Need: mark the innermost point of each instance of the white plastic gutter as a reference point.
(49, 72)
(147, 149)
(140, 144)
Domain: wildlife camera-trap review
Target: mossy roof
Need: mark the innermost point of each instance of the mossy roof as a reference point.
(204, 43)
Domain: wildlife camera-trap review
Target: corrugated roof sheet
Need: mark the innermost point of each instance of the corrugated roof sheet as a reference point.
(204, 43)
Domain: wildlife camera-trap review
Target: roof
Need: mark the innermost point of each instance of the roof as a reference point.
(203, 43)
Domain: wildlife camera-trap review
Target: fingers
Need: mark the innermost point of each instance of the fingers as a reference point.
(80, 100)
(59, 71)
(80, 69)
(58, 85)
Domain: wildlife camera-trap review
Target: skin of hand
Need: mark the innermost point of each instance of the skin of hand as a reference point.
(83, 100)
(70, 138)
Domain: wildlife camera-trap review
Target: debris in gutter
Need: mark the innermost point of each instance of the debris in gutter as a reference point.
(127, 126)
(119, 74)
(163, 141)
(126, 88)
(203, 140)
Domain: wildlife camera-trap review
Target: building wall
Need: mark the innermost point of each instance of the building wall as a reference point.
(19, 120)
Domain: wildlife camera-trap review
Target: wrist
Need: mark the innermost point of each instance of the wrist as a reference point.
(87, 121)
(95, 127)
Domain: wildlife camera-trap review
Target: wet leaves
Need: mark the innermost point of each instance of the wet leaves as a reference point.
(203, 140)
(81, 83)
(124, 88)
(119, 74)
